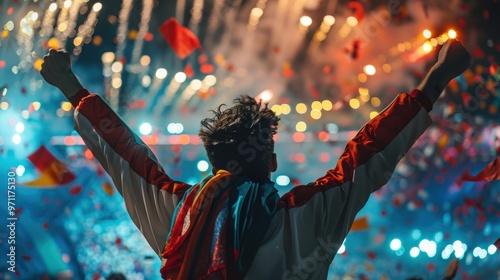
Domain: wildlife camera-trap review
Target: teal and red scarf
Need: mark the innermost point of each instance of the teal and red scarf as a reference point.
(218, 227)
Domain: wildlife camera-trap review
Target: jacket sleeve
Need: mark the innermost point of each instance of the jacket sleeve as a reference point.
(150, 195)
(327, 207)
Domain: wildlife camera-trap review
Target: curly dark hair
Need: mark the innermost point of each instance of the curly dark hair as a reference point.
(239, 139)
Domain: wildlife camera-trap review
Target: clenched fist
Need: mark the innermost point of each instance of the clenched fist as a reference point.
(56, 70)
(453, 58)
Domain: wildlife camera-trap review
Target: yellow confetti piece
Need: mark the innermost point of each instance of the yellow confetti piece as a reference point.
(443, 141)
(5, 33)
(38, 64)
(53, 43)
(108, 189)
(132, 34)
(97, 40)
(493, 109)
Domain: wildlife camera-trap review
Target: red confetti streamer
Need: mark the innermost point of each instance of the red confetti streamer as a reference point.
(206, 68)
(45, 161)
(355, 49)
(493, 69)
(315, 92)
(202, 59)
(137, 104)
(490, 173)
(478, 52)
(371, 255)
(431, 267)
(189, 70)
(2, 63)
(359, 11)
(26, 257)
(466, 98)
(180, 38)
(149, 37)
(75, 190)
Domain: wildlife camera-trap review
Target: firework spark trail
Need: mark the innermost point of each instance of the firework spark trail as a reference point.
(62, 23)
(48, 21)
(85, 31)
(71, 21)
(25, 41)
(196, 15)
(214, 21)
(147, 8)
(121, 35)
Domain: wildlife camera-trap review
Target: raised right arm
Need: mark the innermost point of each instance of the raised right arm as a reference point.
(150, 195)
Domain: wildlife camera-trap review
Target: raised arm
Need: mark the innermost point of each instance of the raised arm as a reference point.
(327, 207)
(150, 195)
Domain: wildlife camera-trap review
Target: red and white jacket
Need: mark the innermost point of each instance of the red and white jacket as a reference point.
(311, 221)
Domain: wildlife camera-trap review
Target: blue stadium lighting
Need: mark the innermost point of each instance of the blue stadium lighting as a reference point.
(19, 127)
(416, 234)
(202, 165)
(145, 129)
(341, 249)
(16, 138)
(492, 249)
(438, 237)
(282, 180)
(395, 244)
(414, 252)
(20, 170)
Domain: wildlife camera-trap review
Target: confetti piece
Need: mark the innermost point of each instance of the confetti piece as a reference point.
(490, 173)
(360, 224)
(75, 190)
(45, 225)
(149, 37)
(206, 68)
(371, 255)
(188, 70)
(26, 257)
(54, 172)
(202, 59)
(108, 189)
(137, 104)
(180, 38)
(358, 10)
(355, 49)
(431, 267)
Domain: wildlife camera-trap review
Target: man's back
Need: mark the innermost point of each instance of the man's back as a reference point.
(305, 227)
(309, 223)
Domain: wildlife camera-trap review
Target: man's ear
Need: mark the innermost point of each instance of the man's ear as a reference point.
(274, 163)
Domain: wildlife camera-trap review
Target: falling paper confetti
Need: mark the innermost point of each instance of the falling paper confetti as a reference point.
(490, 173)
(180, 38)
